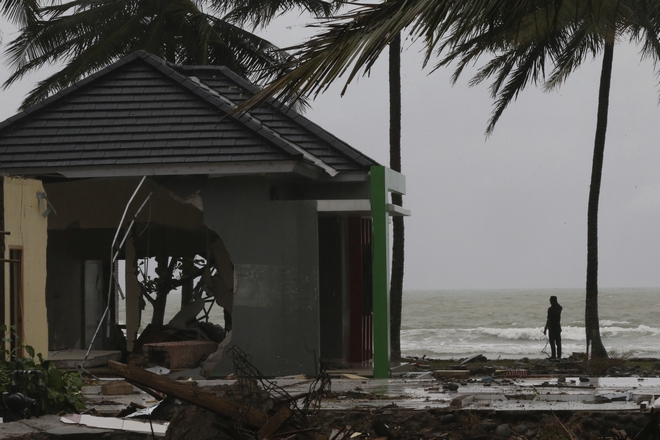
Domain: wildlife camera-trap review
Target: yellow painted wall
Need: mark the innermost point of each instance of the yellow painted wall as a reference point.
(28, 231)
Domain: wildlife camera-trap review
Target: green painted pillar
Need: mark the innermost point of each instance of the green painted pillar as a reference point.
(381, 272)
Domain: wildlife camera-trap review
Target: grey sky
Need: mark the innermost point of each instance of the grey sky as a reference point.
(508, 211)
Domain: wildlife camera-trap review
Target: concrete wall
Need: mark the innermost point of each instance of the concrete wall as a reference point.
(28, 231)
(274, 248)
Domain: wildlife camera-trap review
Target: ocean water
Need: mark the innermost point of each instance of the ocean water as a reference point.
(445, 324)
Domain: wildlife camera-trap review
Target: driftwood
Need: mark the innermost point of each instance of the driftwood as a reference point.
(191, 394)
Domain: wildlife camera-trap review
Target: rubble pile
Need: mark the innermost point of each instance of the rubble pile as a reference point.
(454, 404)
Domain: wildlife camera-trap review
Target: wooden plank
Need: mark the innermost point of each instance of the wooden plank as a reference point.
(190, 394)
(353, 376)
(275, 422)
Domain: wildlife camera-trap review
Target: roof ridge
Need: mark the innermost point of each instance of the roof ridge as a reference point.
(171, 70)
(309, 156)
(349, 151)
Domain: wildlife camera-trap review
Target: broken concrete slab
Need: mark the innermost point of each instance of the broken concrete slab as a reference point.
(48, 426)
(40, 423)
(15, 429)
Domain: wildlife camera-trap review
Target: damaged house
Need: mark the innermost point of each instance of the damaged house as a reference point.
(263, 214)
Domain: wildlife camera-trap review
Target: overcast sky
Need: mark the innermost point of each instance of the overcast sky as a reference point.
(508, 211)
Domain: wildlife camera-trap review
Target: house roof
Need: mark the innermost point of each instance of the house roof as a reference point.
(145, 113)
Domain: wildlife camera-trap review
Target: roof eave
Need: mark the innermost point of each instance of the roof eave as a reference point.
(209, 169)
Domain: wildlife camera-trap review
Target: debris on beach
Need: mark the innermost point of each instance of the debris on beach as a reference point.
(253, 404)
(475, 358)
(451, 374)
(358, 408)
(171, 348)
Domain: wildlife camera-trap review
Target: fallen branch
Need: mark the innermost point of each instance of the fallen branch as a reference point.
(191, 394)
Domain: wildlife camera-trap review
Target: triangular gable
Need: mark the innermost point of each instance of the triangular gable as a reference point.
(142, 111)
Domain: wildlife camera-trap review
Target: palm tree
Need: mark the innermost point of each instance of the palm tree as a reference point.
(566, 33)
(90, 34)
(398, 236)
(523, 37)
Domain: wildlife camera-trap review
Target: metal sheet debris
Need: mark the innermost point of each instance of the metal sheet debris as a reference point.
(114, 423)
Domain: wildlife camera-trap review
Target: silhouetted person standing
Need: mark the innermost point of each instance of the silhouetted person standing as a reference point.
(553, 324)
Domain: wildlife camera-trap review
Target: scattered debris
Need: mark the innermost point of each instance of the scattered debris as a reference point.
(253, 405)
(461, 401)
(178, 354)
(118, 424)
(453, 374)
(475, 358)
(417, 375)
(614, 397)
(352, 376)
(188, 392)
(518, 372)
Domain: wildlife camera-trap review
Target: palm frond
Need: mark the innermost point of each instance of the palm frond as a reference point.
(575, 49)
(524, 65)
(259, 13)
(91, 34)
(351, 43)
(20, 12)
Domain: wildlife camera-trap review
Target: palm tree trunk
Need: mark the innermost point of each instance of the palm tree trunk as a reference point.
(592, 326)
(396, 281)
